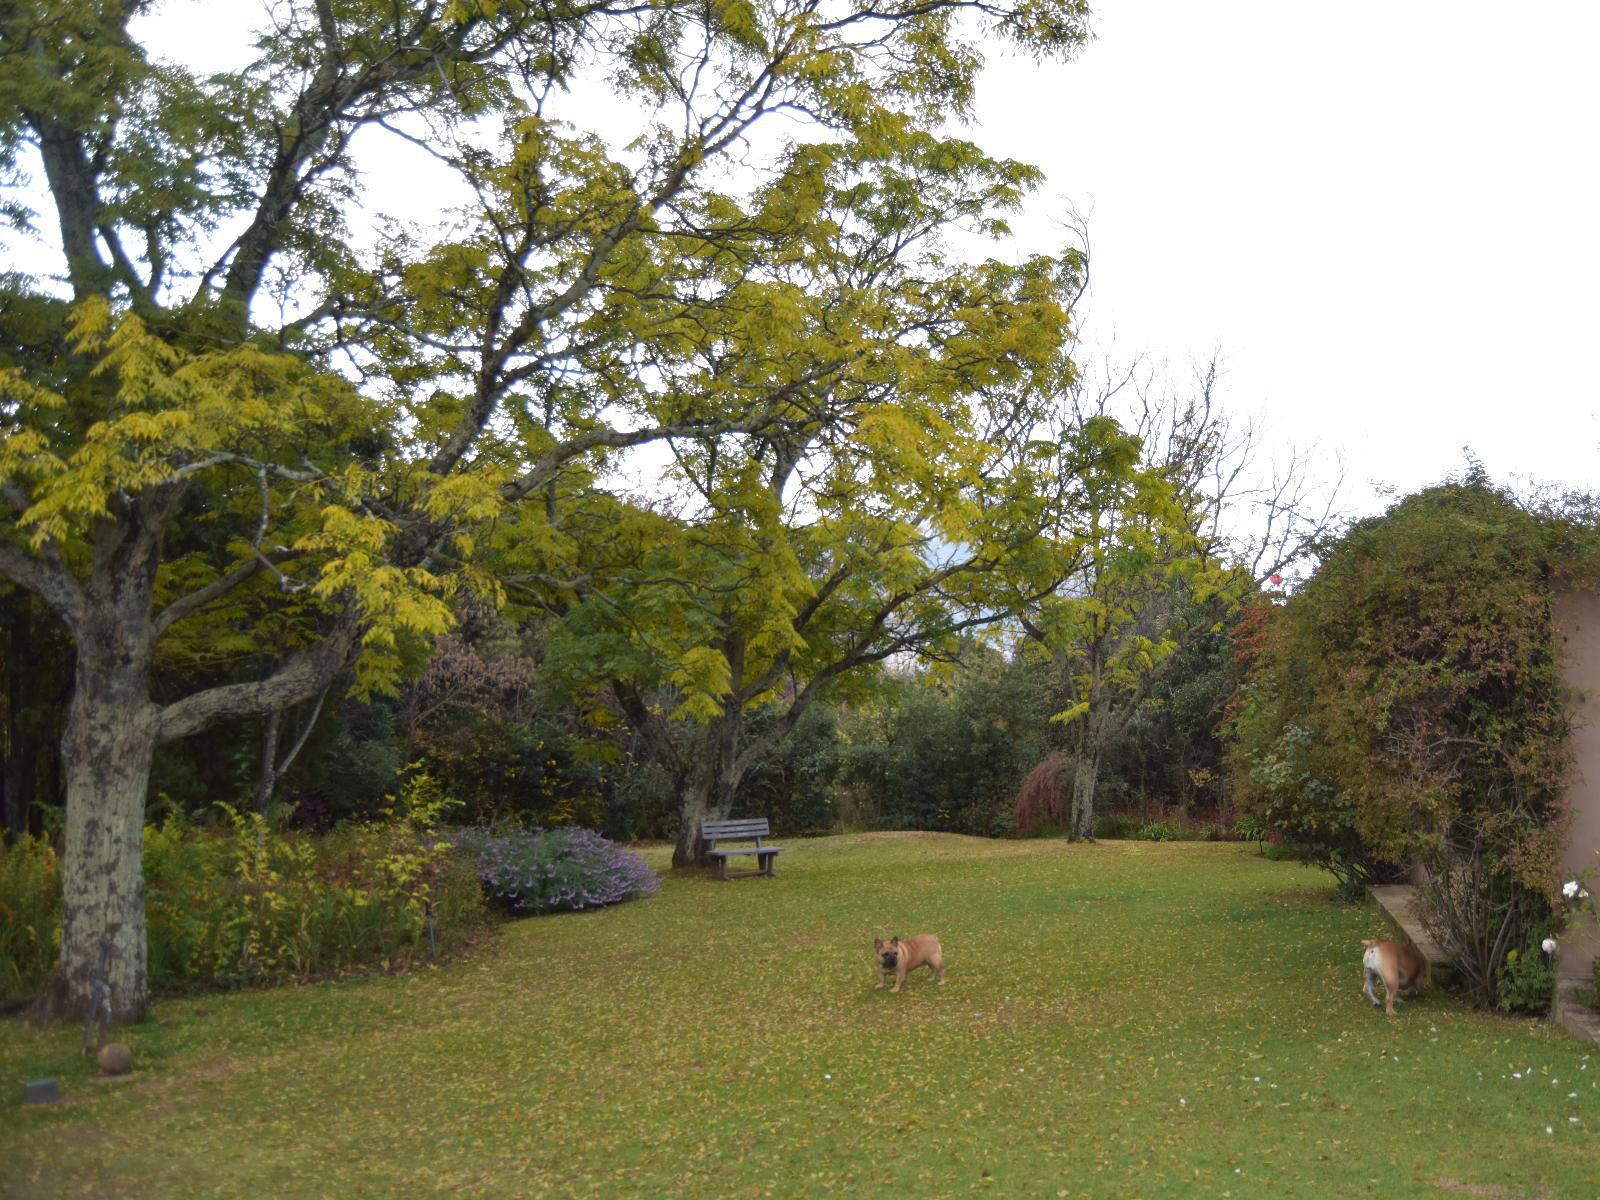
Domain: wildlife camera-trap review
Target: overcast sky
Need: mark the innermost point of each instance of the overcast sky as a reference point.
(1383, 215)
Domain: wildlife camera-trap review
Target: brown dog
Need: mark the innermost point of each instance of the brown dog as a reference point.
(1396, 963)
(901, 955)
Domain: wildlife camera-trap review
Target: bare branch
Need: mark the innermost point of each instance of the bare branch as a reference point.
(309, 473)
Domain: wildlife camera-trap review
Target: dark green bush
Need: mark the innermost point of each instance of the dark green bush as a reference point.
(951, 758)
(1407, 706)
(30, 916)
(1113, 825)
(1286, 852)
(792, 784)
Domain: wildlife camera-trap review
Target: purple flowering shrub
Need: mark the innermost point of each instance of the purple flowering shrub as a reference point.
(555, 870)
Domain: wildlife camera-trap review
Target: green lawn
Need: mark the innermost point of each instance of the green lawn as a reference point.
(1123, 1019)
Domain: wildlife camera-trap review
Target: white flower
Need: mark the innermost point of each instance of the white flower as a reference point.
(1548, 945)
(1570, 889)
(1548, 1129)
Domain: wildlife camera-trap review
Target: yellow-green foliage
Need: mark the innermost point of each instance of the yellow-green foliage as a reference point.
(253, 904)
(256, 904)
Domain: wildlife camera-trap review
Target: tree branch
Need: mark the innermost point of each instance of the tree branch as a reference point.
(298, 679)
(48, 579)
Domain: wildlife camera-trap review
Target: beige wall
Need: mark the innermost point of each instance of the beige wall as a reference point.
(1577, 616)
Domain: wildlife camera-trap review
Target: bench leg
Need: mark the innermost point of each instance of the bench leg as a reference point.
(765, 861)
(722, 869)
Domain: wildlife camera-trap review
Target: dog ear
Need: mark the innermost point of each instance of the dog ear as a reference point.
(877, 943)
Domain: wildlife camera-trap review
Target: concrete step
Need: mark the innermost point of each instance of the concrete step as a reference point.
(1398, 902)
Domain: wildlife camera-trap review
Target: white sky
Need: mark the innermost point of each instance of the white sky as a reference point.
(1382, 215)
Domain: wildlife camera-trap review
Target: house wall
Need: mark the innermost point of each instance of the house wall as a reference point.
(1577, 616)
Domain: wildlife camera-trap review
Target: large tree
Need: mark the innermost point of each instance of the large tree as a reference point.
(698, 622)
(225, 387)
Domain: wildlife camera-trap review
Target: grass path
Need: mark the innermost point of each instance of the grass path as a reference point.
(1125, 1019)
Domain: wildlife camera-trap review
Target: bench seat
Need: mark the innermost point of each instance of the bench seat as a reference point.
(746, 830)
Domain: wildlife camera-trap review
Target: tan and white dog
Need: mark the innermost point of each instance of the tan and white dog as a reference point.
(1396, 963)
(901, 955)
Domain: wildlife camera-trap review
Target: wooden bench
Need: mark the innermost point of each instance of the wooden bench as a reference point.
(745, 830)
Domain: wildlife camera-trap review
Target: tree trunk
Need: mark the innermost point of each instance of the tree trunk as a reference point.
(106, 753)
(1085, 773)
(709, 791)
(693, 805)
(267, 773)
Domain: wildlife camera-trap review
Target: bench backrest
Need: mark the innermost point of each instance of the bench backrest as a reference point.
(735, 831)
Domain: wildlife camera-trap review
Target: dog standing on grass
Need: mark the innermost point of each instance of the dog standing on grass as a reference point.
(1396, 963)
(902, 955)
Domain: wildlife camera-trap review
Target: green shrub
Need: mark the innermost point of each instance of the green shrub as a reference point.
(1249, 828)
(30, 917)
(951, 758)
(190, 930)
(1406, 706)
(248, 903)
(1526, 980)
(1286, 852)
(1114, 825)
